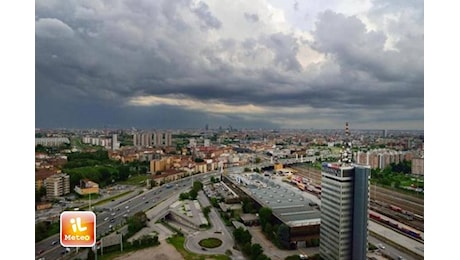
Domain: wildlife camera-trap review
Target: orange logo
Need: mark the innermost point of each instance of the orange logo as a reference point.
(78, 228)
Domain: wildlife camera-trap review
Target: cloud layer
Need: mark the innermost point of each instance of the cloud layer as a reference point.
(263, 64)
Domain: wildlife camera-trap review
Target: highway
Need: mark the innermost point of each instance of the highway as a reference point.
(114, 213)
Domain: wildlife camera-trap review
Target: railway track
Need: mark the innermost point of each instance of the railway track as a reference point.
(391, 197)
(405, 219)
(381, 195)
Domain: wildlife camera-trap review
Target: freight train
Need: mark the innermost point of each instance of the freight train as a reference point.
(395, 225)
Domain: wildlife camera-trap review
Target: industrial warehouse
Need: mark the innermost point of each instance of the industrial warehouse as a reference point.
(289, 205)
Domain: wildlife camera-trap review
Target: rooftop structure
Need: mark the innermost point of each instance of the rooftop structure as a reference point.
(344, 207)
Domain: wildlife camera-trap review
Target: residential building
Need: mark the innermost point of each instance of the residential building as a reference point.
(115, 143)
(57, 185)
(159, 165)
(162, 138)
(417, 166)
(51, 141)
(143, 139)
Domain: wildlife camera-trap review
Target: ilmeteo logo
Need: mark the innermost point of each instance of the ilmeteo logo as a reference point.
(78, 228)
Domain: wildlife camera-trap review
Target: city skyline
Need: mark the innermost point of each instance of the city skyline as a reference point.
(261, 64)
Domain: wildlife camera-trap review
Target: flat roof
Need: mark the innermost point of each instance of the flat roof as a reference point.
(287, 202)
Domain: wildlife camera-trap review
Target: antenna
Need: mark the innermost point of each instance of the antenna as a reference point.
(346, 156)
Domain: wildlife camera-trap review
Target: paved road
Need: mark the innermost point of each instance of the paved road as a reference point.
(114, 213)
(217, 230)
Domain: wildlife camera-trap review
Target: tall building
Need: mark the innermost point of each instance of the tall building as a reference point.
(344, 208)
(162, 139)
(57, 185)
(115, 143)
(142, 139)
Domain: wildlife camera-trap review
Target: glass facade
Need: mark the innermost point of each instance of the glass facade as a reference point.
(344, 207)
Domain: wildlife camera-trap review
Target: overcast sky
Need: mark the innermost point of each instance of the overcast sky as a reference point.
(248, 64)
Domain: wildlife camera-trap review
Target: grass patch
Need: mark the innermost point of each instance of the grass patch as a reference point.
(178, 243)
(211, 242)
(45, 229)
(86, 207)
(138, 180)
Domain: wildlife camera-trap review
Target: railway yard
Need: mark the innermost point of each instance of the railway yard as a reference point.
(387, 206)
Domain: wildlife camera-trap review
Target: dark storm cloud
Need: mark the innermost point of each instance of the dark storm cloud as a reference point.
(202, 11)
(286, 48)
(92, 58)
(369, 72)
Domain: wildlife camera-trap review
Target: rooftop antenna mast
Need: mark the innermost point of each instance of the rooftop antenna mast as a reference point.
(346, 157)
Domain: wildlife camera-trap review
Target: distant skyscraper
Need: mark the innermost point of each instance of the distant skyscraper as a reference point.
(162, 138)
(142, 139)
(115, 143)
(344, 208)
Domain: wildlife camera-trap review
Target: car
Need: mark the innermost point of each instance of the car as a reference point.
(204, 249)
(381, 246)
(107, 218)
(113, 214)
(54, 242)
(126, 207)
(110, 226)
(146, 201)
(40, 252)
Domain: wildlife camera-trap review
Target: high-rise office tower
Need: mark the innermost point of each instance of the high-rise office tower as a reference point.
(344, 208)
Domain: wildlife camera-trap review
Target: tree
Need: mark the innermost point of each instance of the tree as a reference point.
(206, 210)
(256, 250)
(283, 234)
(193, 194)
(105, 175)
(40, 193)
(123, 173)
(137, 222)
(248, 205)
(197, 185)
(184, 196)
(247, 249)
(262, 257)
(242, 236)
(265, 215)
(268, 230)
(257, 160)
